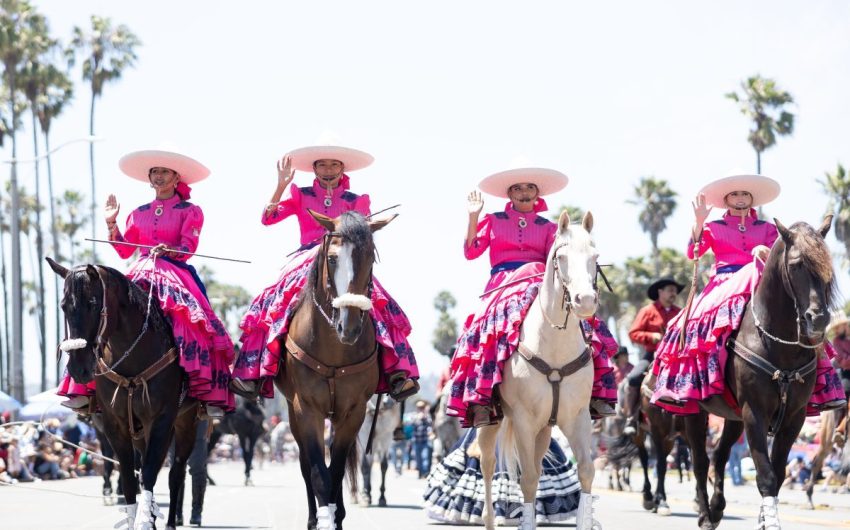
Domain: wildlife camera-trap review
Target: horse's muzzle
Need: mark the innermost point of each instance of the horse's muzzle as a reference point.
(816, 322)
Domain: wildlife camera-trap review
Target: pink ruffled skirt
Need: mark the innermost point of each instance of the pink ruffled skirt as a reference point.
(687, 376)
(268, 318)
(205, 348)
(491, 335)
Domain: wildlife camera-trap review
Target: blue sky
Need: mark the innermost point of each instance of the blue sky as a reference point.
(445, 93)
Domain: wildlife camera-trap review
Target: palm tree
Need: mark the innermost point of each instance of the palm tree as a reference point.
(764, 104)
(657, 202)
(71, 219)
(576, 213)
(445, 334)
(108, 51)
(22, 34)
(837, 186)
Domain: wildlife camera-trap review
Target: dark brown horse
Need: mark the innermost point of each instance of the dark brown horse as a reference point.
(121, 337)
(331, 366)
(771, 373)
(662, 428)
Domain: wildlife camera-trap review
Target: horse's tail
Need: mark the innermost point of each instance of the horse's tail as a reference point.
(352, 468)
(508, 453)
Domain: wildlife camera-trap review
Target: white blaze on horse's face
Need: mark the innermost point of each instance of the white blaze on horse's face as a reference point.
(343, 278)
(576, 256)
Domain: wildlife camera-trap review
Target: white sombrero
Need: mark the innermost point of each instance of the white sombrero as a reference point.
(138, 164)
(548, 181)
(763, 189)
(838, 318)
(303, 158)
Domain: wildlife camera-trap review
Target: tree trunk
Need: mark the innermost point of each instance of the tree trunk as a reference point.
(656, 255)
(39, 254)
(54, 236)
(16, 347)
(4, 352)
(758, 162)
(91, 163)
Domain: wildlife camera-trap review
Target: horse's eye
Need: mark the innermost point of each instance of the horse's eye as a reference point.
(332, 260)
(93, 301)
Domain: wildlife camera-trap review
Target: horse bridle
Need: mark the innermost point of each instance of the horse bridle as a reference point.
(786, 284)
(566, 300)
(329, 287)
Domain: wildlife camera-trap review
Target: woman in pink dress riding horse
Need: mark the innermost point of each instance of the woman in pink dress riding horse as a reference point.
(741, 243)
(268, 318)
(170, 223)
(519, 240)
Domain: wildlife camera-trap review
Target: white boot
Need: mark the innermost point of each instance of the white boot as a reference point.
(147, 513)
(129, 518)
(324, 518)
(584, 518)
(527, 520)
(769, 514)
(76, 402)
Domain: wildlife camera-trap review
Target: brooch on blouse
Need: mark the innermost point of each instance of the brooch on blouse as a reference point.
(158, 210)
(522, 222)
(742, 228)
(328, 202)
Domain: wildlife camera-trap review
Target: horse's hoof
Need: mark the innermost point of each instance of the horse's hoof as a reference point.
(382, 502)
(663, 509)
(648, 504)
(365, 502)
(249, 482)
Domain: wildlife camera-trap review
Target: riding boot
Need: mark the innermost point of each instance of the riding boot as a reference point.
(247, 388)
(199, 488)
(599, 408)
(633, 403)
(480, 415)
(78, 404)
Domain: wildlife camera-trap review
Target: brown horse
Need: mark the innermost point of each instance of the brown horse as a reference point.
(771, 374)
(331, 366)
(830, 420)
(118, 335)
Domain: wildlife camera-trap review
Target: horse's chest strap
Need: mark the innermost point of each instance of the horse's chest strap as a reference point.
(131, 384)
(330, 373)
(554, 375)
(783, 378)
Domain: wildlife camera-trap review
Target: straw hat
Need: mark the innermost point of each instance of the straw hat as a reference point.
(139, 163)
(763, 189)
(353, 159)
(548, 181)
(838, 318)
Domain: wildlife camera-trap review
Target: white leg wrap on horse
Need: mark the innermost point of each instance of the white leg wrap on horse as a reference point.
(527, 519)
(129, 518)
(585, 519)
(324, 518)
(147, 512)
(769, 515)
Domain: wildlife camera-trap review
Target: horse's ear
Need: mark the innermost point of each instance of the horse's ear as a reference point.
(587, 221)
(564, 222)
(58, 269)
(374, 226)
(323, 220)
(783, 232)
(91, 271)
(824, 227)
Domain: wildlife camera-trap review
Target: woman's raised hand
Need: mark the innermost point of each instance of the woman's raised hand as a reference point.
(284, 171)
(475, 203)
(701, 210)
(111, 209)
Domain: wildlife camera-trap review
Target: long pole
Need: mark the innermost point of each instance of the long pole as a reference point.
(137, 245)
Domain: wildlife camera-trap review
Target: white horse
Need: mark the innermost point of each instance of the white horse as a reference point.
(551, 333)
(388, 420)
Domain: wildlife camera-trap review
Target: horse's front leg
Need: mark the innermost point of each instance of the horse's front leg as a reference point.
(344, 458)
(247, 443)
(157, 444)
(366, 472)
(663, 445)
(731, 432)
(306, 469)
(696, 428)
(382, 500)
(125, 454)
(184, 443)
(643, 456)
(782, 443)
(577, 428)
(487, 444)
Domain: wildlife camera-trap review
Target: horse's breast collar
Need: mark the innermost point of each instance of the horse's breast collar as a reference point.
(554, 375)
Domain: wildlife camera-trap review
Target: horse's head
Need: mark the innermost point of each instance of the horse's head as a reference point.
(805, 265)
(82, 304)
(345, 271)
(573, 257)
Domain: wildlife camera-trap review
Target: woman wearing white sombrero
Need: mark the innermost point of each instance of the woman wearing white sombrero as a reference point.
(268, 317)
(687, 376)
(519, 240)
(168, 223)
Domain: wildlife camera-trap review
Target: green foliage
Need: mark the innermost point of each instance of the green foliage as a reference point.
(657, 202)
(576, 213)
(445, 334)
(837, 186)
(107, 51)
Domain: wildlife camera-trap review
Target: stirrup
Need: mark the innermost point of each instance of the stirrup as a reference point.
(481, 416)
(402, 388)
(247, 388)
(602, 408)
(832, 405)
(79, 404)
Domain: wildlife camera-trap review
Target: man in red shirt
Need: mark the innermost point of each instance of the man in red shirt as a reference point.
(646, 332)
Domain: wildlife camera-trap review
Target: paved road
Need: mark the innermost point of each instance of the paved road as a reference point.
(277, 502)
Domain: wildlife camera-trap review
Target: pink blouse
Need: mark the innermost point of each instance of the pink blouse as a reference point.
(298, 200)
(509, 241)
(175, 222)
(730, 245)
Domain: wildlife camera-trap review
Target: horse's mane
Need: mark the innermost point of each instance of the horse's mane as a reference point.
(816, 258)
(353, 228)
(138, 299)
